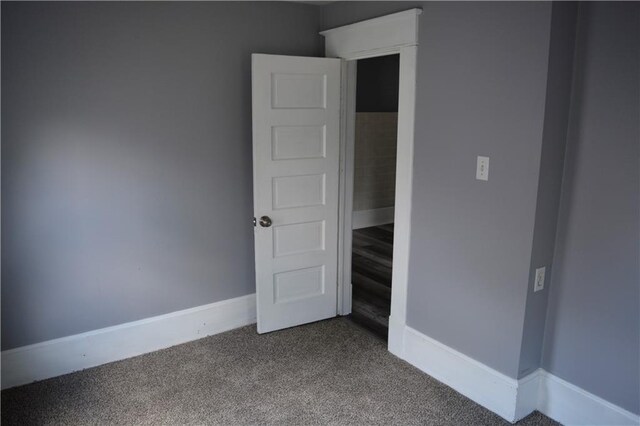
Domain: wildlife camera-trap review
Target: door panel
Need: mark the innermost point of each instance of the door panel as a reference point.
(296, 115)
(298, 142)
(299, 191)
(299, 90)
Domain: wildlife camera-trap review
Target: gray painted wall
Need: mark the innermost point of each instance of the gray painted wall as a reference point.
(593, 327)
(126, 164)
(482, 75)
(126, 157)
(378, 84)
(559, 79)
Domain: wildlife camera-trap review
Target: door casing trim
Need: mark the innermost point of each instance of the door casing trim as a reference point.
(387, 35)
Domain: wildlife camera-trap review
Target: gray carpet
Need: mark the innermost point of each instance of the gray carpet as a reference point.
(327, 373)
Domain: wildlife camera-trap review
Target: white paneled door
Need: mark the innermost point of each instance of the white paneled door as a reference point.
(296, 120)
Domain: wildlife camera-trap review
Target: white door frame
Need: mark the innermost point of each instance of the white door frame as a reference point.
(391, 34)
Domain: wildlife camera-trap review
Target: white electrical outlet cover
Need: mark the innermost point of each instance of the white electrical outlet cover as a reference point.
(482, 168)
(538, 282)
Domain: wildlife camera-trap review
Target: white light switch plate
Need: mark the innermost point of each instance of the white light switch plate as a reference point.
(538, 282)
(482, 169)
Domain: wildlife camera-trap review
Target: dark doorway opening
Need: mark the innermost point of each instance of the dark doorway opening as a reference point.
(374, 191)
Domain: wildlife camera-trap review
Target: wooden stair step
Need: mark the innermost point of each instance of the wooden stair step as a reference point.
(388, 227)
(360, 240)
(370, 285)
(370, 318)
(369, 253)
(380, 302)
(378, 233)
(371, 312)
(371, 269)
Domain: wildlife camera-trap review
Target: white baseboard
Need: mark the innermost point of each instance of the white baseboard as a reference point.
(374, 217)
(509, 398)
(476, 381)
(68, 354)
(528, 395)
(571, 405)
(395, 341)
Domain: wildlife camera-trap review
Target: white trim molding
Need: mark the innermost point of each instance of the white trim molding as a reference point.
(68, 354)
(404, 190)
(388, 32)
(373, 217)
(571, 405)
(528, 394)
(392, 34)
(476, 381)
(511, 399)
(347, 175)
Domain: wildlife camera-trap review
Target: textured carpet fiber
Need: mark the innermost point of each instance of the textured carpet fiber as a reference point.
(331, 372)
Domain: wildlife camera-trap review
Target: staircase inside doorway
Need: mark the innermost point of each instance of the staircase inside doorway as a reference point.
(371, 267)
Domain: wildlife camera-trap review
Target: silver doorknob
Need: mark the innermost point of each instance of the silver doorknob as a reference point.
(265, 221)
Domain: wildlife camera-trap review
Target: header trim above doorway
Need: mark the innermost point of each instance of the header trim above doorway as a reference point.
(374, 36)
